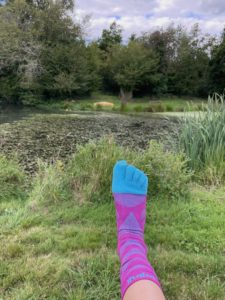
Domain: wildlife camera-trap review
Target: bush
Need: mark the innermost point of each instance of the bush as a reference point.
(29, 99)
(90, 169)
(88, 175)
(203, 140)
(12, 179)
(167, 172)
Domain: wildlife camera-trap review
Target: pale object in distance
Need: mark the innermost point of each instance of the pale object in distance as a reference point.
(104, 104)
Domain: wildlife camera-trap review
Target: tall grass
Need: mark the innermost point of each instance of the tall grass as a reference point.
(203, 140)
(12, 179)
(90, 169)
(88, 174)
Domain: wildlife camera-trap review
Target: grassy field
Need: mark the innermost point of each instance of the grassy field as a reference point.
(68, 250)
(58, 239)
(138, 105)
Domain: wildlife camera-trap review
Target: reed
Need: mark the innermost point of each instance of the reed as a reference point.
(202, 139)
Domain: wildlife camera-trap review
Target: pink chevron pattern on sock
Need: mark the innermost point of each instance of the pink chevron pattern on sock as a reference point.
(131, 215)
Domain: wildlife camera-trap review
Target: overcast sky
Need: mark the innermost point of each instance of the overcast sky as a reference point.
(136, 16)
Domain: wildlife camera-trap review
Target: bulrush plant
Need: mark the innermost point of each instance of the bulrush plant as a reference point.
(202, 138)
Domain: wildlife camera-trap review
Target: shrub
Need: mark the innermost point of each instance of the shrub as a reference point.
(30, 99)
(167, 172)
(12, 179)
(88, 174)
(203, 140)
(90, 169)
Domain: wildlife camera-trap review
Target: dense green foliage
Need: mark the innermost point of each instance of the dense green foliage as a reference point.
(57, 245)
(43, 54)
(217, 66)
(203, 140)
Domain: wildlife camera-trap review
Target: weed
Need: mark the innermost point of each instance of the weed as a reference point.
(167, 171)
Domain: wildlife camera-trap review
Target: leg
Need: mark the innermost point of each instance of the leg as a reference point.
(138, 278)
(144, 290)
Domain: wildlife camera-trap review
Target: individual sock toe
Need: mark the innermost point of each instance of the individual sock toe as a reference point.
(120, 169)
(137, 176)
(130, 170)
(142, 180)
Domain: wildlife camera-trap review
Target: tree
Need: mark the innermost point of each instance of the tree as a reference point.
(19, 52)
(66, 71)
(183, 59)
(188, 70)
(130, 66)
(217, 67)
(43, 51)
(110, 37)
(161, 42)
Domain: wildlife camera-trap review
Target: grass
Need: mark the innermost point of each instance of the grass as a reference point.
(203, 140)
(68, 250)
(58, 242)
(138, 105)
(12, 178)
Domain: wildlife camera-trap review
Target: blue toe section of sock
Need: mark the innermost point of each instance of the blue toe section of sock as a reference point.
(128, 179)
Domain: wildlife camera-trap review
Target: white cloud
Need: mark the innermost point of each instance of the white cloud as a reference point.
(136, 16)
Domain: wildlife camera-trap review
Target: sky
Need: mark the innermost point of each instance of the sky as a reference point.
(137, 16)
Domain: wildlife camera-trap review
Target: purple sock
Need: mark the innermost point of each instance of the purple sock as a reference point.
(131, 215)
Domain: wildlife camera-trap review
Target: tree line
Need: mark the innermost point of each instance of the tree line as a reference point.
(44, 54)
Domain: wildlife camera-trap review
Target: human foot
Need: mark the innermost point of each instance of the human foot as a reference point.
(129, 187)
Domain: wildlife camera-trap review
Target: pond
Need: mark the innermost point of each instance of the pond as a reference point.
(36, 134)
